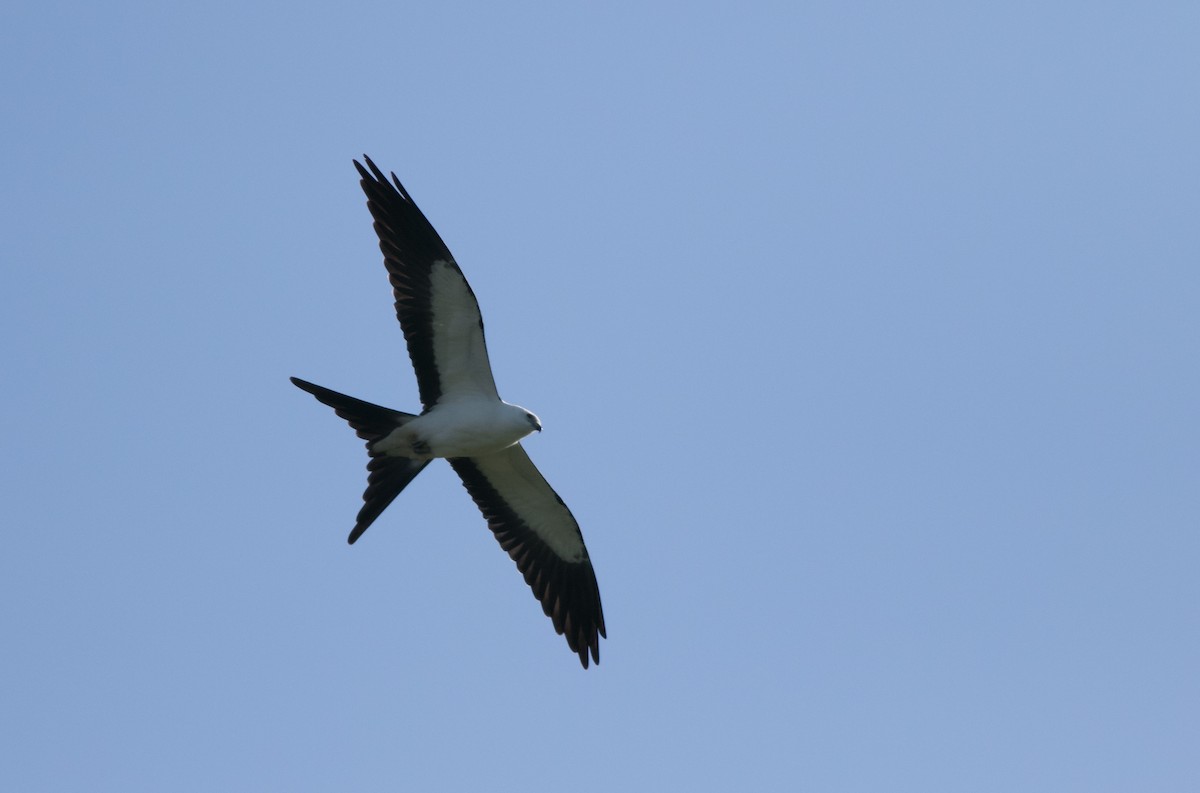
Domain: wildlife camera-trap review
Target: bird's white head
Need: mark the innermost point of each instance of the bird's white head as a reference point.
(521, 420)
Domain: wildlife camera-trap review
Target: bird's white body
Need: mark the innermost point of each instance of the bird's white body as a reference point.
(465, 427)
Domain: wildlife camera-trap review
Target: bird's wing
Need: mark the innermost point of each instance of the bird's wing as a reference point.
(434, 303)
(534, 525)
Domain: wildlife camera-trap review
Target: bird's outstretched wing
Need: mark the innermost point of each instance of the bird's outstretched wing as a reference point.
(538, 531)
(434, 303)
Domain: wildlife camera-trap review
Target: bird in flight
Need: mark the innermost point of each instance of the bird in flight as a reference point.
(464, 421)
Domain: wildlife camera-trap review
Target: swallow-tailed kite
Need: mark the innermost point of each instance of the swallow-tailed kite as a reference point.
(464, 420)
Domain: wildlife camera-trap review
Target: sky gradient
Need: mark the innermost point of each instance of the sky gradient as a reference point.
(864, 338)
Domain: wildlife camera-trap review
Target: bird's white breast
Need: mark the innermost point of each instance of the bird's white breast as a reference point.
(465, 427)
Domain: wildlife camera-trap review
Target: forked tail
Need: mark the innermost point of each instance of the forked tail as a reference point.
(386, 476)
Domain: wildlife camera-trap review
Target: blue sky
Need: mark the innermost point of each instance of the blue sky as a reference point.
(864, 337)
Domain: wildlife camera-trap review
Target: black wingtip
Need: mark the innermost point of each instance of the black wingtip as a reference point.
(304, 385)
(590, 645)
(375, 176)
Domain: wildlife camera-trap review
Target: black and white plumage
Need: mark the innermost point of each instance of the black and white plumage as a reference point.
(465, 421)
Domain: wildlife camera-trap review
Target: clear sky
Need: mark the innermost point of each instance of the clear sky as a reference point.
(865, 337)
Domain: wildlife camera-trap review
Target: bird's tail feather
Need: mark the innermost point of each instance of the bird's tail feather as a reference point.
(386, 476)
(370, 421)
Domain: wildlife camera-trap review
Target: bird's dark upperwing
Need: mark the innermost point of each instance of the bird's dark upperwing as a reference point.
(434, 303)
(533, 524)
